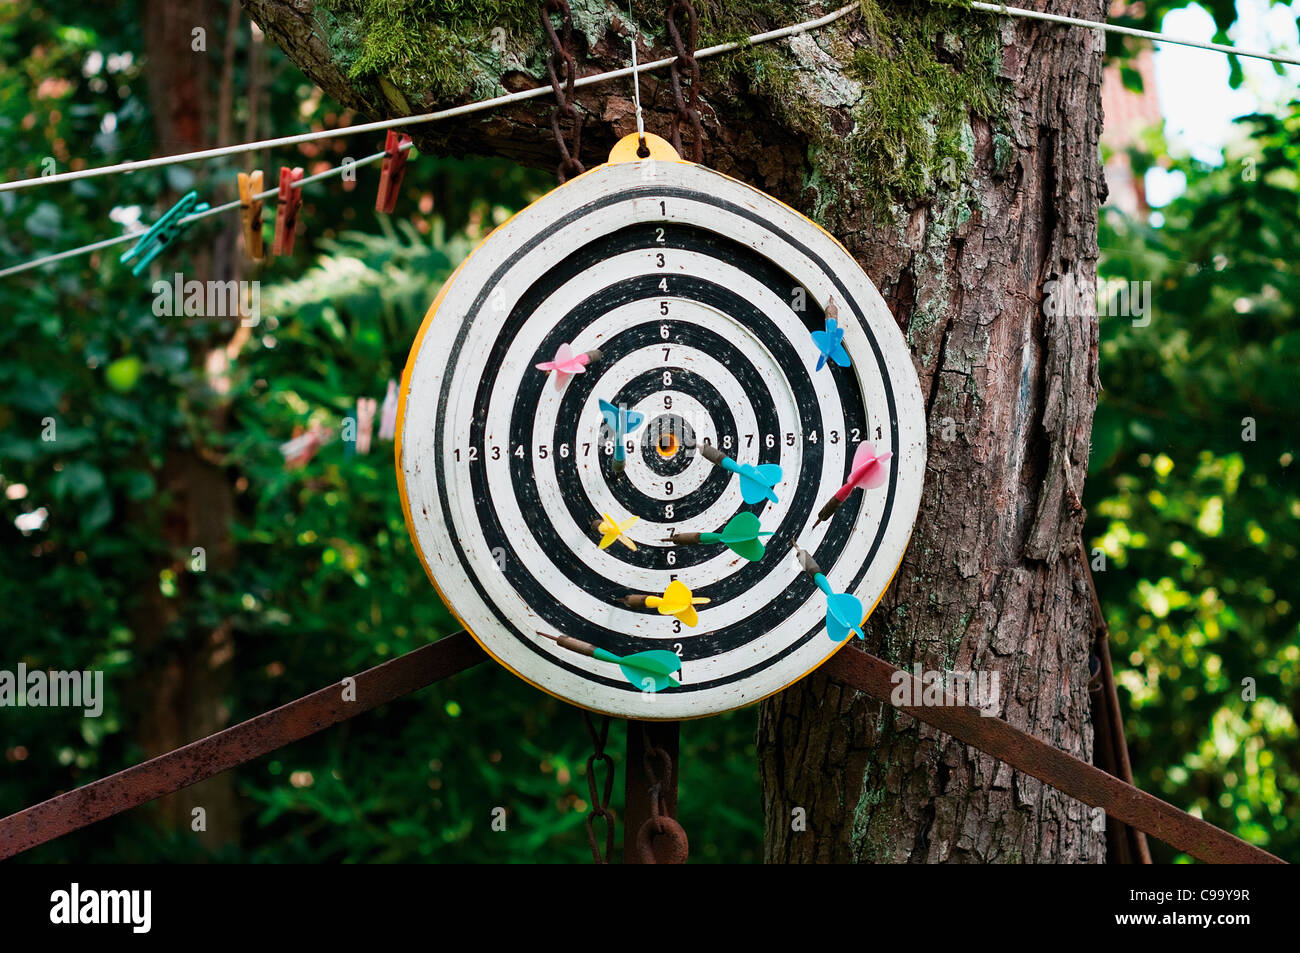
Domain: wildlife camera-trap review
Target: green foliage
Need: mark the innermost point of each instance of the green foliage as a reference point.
(325, 582)
(1197, 502)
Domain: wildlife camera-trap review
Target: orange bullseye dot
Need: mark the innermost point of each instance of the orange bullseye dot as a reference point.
(668, 445)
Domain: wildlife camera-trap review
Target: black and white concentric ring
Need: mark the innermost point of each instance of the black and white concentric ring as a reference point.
(700, 293)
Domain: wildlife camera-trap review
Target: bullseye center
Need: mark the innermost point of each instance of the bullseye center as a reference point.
(668, 445)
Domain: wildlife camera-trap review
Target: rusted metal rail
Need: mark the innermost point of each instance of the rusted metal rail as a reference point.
(265, 733)
(1028, 754)
(237, 745)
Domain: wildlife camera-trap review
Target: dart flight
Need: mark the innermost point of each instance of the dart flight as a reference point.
(650, 671)
(621, 422)
(868, 471)
(741, 535)
(844, 613)
(756, 482)
(676, 601)
(567, 363)
(831, 345)
(612, 531)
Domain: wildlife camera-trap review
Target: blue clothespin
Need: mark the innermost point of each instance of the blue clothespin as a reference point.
(163, 232)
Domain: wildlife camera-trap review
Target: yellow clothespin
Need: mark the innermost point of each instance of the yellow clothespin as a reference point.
(250, 210)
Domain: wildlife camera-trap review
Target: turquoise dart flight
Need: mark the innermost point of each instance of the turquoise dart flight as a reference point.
(844, 611)
(650, 671)
(756, 482)
(831, 345)
(621, 422)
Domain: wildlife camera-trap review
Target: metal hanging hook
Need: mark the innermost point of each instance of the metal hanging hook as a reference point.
(642, 149)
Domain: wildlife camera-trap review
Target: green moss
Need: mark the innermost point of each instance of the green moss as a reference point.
(429, 47)
(909, 87)
(923, 69)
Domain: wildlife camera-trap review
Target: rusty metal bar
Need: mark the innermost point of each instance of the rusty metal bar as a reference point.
(636, 786)
(237, 745)
(1064, 772)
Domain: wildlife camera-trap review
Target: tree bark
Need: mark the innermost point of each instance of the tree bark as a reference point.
(991, 581)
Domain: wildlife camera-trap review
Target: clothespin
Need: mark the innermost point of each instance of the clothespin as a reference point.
(365, 422)
(303, 446)
(286, 210)
(250, 210)
(163, 232)
(390, 178)
(388, 416)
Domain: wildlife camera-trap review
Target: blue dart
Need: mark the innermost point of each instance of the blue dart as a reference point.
(831, 341)
(620, 422)
(844, 611)
(756, 482)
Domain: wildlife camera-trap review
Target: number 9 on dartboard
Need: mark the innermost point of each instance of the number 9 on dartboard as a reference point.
(660, 442)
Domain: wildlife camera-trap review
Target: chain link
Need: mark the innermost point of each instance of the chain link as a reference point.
(685, 67)
(661, 839)
(562, 69)
(600, 804)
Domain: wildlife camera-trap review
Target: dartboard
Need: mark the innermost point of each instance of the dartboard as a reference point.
(601, 392)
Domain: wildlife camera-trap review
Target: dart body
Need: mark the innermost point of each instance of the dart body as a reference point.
(756, 481)
(830, 344)
(621, 422)
(650, 671)
(676, 601)
(741, 536)
(868, 471)
(611, 530)
(844, 611)
(567, 363)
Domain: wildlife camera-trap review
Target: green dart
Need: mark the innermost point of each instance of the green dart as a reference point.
(650, 671)
(741, 534)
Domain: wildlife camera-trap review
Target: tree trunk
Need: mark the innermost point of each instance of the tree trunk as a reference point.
(955, 155)
(185, 679)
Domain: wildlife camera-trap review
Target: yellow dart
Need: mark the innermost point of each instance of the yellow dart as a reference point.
(611, 530)
(676, 601)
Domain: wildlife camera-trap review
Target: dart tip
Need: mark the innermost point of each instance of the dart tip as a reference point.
(547, 635)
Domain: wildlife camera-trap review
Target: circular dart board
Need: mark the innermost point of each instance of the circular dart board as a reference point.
(660, 442)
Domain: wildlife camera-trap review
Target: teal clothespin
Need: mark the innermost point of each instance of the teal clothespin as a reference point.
(164, 231)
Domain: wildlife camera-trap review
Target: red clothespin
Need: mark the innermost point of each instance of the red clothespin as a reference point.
(250, 210)
(390, 178)
(286, 211)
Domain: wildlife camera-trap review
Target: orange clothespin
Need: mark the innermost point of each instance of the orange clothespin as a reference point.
(390, 178)
(286, 212)
(250, 210)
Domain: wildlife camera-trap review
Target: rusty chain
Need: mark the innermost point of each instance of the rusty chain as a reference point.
(600, 805)
(562, 69)
(660, 840)
(688, 107)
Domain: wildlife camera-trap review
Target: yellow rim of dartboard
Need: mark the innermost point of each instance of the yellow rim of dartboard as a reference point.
(625, 150)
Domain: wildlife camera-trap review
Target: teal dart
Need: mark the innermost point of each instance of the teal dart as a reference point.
(844, 613)
(741, 535)
(756, 481)
(650, 671)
